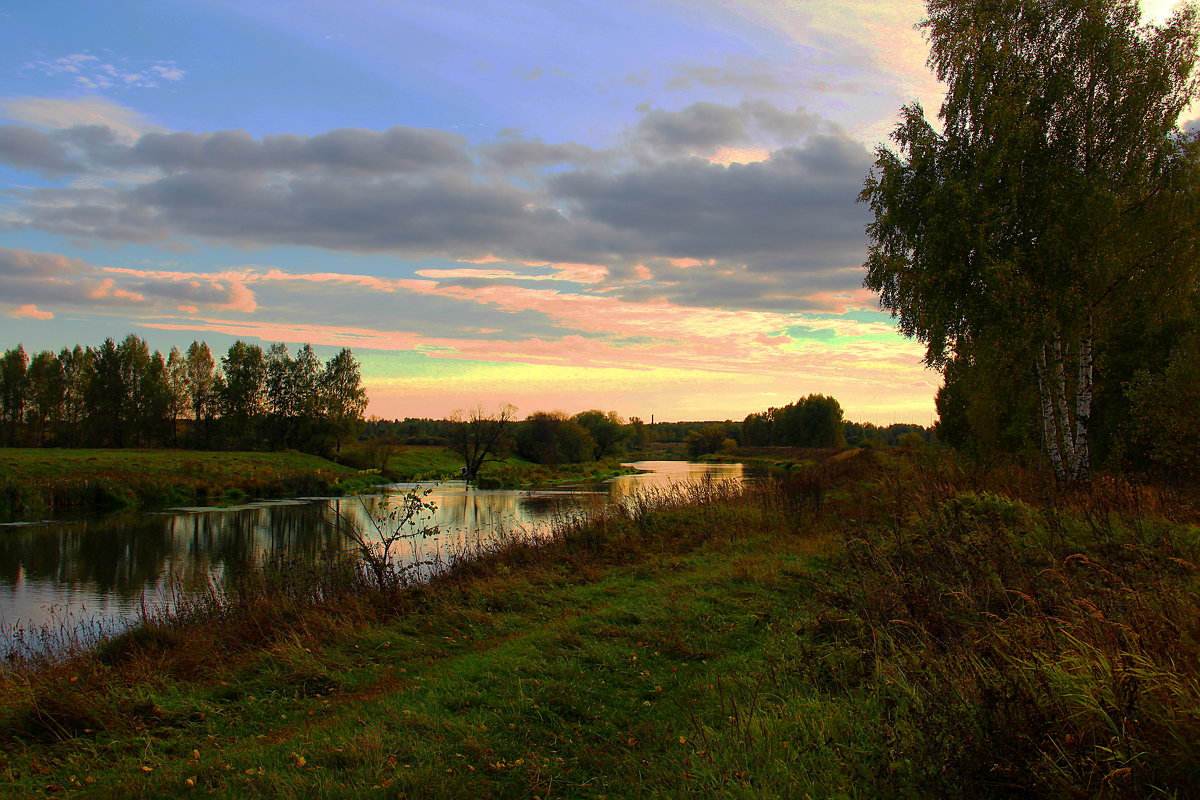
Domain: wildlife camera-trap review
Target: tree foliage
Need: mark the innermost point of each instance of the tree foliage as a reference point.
(481, 436)
(1056, 191)
(125, 395)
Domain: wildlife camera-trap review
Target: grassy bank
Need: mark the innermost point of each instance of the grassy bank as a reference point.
(39, 482)
(417, 462)
(894, 626)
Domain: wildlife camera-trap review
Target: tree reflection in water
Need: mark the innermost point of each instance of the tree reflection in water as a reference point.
(107, 568)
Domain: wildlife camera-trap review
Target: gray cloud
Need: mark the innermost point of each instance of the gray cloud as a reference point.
(33, 264)
(799, 204)
(751, 77)
(701, 127)
(776, 227)
(451, 214)
(396, 150)
(522, 154)
(26, 148)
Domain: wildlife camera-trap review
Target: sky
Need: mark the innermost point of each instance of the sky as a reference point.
(645, 206)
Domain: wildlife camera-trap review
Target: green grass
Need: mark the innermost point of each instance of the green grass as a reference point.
(53, 481)
(402, 462)
(876, 627)
(415, 462)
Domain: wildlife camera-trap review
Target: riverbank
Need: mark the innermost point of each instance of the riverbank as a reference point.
(431, 462)
(40, 482)
(36, 483)
(893, 625)
(781, 459)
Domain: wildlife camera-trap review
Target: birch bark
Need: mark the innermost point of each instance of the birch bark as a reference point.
(1083, 409)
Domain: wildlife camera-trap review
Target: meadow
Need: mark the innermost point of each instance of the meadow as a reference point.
(897, 624)
(37, 482)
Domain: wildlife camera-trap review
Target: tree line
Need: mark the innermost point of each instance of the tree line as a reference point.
(1043, 238)
(553, 437)
(124, 395)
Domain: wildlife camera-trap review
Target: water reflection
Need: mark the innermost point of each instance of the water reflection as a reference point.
(107, 568)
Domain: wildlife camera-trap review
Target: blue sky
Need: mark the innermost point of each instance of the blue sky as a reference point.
(644, 206)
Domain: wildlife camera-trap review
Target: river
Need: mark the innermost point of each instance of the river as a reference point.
(99, 573)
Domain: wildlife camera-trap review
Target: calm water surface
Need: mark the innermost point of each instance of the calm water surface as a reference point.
(104, 570)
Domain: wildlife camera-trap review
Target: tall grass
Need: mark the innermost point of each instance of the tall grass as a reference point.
(1050, 647)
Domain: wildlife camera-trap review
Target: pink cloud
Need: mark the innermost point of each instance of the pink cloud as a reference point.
(241, 298)
(580, 273)
(467, 272)
(101, 290)
(30, 311)
(840, 302)
(574, 273)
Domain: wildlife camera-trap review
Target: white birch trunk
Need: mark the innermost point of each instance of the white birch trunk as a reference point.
(1083, 409)
(1062, 406)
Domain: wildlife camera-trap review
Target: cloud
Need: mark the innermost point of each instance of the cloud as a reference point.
(704, 128)
(794, 210)
(700, 127)
(91, 72)
(770, 222)
(25, 148)
(397, 150)
(63, 113)
(31, 264)
(521, 154)
(30, 311)
(32, 279)
(755, 76)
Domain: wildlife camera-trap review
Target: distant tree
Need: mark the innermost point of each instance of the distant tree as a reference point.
(305, 380)
(758, 430)
(280, 398)
(156, 404)
(46, 395)
(637, 434)
(142, 383)
(242, 398)
(78, 368)
(706, 440)
(203, 390)
(812, 421)
(178, 400)
(106, 398)
(480, 436)
(12, 394)
(607, 431)
(343, 399)
(551, 437)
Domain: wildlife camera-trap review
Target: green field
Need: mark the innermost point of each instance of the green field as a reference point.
(893, 625)
(414, 462)
(52, 481)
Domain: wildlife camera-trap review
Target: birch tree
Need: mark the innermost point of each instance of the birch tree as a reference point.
(1049, 195)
